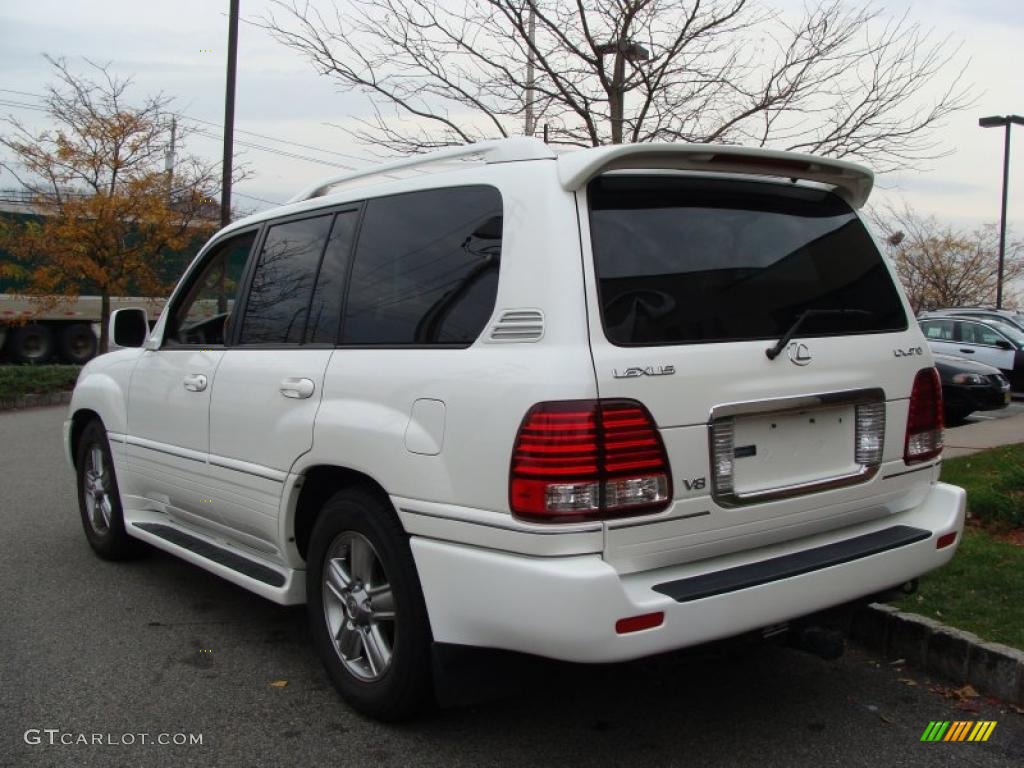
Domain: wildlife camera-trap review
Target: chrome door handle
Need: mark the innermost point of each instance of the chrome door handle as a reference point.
(297, 389)
(194, 382)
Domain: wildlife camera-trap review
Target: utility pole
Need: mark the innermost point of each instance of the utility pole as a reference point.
(531, 120)
(229, 117)
(169, 160)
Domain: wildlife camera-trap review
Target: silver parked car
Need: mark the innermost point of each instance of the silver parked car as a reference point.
(994, 342)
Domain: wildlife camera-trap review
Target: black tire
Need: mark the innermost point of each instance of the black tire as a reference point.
(77, 343)
(104, 532)
(956, 415)
(31, 344)
(401, 688)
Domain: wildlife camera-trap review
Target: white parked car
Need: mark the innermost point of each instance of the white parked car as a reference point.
(590, 406)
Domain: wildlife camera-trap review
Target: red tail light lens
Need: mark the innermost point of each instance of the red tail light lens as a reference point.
(584, 459)
(924, 419)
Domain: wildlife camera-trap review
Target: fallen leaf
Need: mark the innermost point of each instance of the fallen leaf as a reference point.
(967, 692)
(907, 681)
(279, 684)
(897, 662)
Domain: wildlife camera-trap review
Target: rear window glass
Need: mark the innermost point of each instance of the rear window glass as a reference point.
(683, 260)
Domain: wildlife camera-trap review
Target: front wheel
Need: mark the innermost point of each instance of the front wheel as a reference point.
(366, 611)
(99, 500)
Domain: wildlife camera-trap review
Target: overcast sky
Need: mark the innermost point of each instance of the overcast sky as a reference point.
(179, 48)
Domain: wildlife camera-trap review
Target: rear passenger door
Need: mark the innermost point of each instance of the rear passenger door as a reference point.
(941, 338)
(270, 381)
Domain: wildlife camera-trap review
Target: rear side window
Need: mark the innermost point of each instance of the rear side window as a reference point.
(282, 284)
(426, 268)
(325, 309)
(682, 260)
(938, 330)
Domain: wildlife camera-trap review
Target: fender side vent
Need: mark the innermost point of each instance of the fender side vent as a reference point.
(524, 325)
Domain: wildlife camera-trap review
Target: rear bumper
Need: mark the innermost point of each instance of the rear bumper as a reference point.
(566, 607)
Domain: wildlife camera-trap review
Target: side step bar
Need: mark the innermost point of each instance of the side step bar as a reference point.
(277, 583)
(787, 566)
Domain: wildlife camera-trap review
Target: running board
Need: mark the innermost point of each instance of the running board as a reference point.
(278, 584)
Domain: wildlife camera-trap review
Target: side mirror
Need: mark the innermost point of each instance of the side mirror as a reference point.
(129, 327)
(1004, 344)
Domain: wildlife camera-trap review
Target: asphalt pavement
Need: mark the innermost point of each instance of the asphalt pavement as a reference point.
(93, 650)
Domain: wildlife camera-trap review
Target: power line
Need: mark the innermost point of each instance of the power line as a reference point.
(20, 105)
(221, 127)
(253, 197)
(23, 93)
(281, 152)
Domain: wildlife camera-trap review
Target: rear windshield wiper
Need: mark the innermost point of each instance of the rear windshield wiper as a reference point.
(788, 335)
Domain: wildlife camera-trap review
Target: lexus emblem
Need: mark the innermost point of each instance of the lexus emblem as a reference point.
(799, 354)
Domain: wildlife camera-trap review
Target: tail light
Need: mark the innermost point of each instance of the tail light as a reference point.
(585, 459)
(924, 420)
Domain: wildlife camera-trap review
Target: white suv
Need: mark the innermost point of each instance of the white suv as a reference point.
(590, 406)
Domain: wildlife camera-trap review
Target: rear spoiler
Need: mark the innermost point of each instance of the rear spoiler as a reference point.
(853, 182)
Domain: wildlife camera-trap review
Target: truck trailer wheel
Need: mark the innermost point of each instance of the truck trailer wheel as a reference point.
(32, 344)
(77, 344)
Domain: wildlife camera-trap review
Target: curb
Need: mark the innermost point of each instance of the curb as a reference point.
(34, 401)
(960, 657)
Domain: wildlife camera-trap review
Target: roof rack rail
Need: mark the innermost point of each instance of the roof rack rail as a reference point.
(497, 151)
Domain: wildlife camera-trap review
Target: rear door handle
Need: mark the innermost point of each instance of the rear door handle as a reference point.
(298, 389)
(968, 351)
(195, 382)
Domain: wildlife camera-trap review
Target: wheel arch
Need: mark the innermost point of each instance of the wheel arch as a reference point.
(311, 490)
(79, 421)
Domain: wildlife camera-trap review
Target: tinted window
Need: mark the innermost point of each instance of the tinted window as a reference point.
(201, 315)
(974, 333)
(282, 284)
(325, 309)
(426, 268)
(938, 330)
(694, 260)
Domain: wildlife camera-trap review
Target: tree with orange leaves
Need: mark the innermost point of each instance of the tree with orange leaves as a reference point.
(111, 211)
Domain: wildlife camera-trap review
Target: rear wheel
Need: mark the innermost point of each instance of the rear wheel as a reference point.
(31, 344)
(99, 500)
(366, 611)
(77, 343)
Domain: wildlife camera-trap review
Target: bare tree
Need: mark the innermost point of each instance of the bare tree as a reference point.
(111, 212)
(942, 266)
(839, 80)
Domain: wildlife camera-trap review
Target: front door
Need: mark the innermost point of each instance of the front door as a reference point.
(983, 341)
(169, 398)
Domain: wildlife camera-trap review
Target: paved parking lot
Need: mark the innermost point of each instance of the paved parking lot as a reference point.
(161, 647)
(1015, 408)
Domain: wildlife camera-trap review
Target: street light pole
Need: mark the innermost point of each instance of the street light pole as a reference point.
(994, 122)
(624, 50)
(229, 118)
